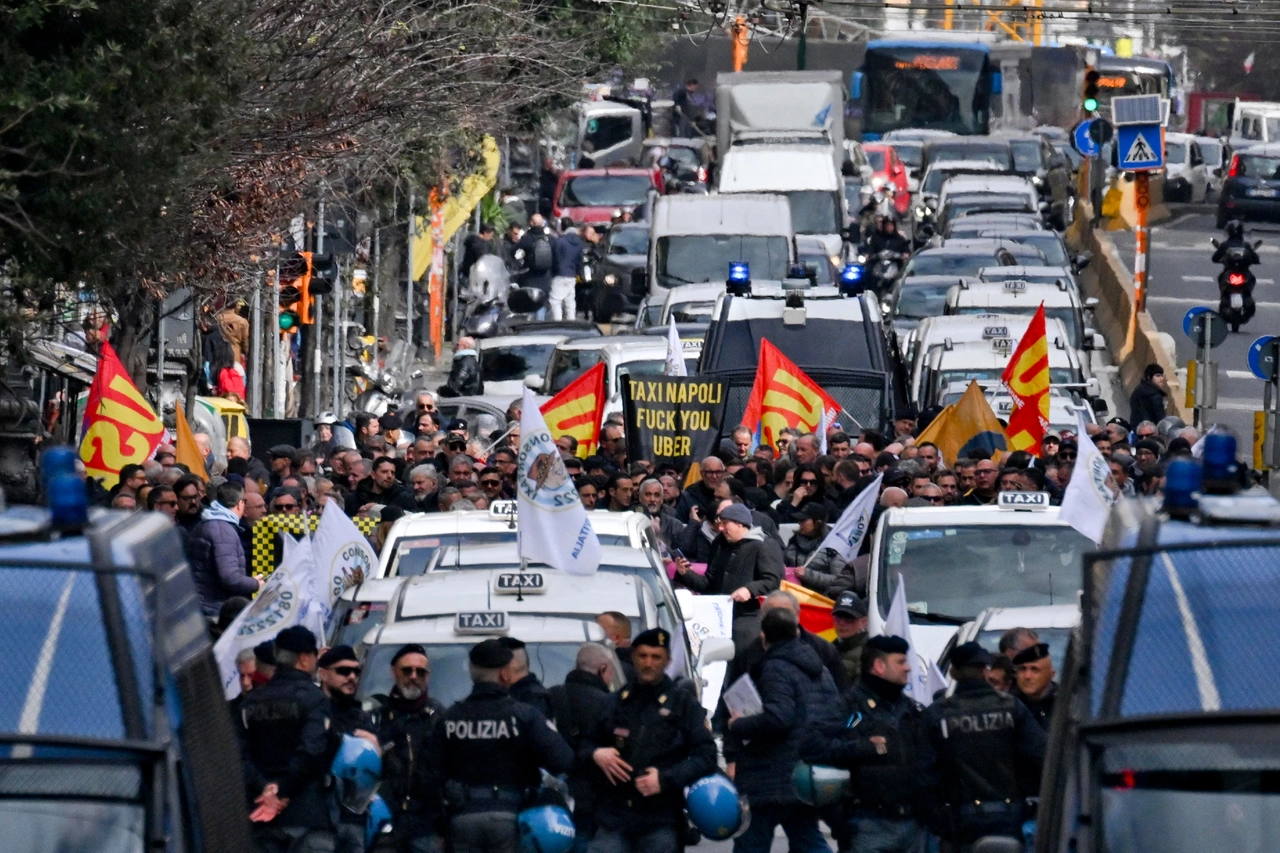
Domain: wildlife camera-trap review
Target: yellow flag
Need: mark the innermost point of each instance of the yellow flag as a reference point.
(457, 207)
(967, 428)
(187, 452)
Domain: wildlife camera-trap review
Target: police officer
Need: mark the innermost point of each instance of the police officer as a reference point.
(987, 743)
(491, 747)
(1036, 687)
(886, 746)
(287, 751)
(578, 706)
(339, 672)
(525, 686)
(654, 742)
(406, 720)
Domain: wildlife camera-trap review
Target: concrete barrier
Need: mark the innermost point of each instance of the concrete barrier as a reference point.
(1135, 341)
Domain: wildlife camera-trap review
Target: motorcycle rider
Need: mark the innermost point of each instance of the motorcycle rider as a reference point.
(1247, 258)
(887, 238)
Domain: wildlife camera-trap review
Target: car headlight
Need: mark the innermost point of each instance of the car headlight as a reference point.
(877, 182)
(922, 211)
(1037, 180)
(835, 260)
(610, 279)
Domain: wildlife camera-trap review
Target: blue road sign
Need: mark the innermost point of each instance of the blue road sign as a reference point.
(1191, 315)
(1081, 140)
(1262, 357)
(1140, 147)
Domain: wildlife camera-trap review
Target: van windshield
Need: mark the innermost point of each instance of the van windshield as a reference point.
(605, 191)
(697, 258)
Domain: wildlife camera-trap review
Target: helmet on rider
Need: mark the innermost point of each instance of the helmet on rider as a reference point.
(1235, 229)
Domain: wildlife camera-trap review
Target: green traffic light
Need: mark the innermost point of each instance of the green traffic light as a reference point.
(286, 322)
(1090, 104)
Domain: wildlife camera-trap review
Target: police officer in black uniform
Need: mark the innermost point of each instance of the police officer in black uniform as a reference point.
(987, 743)
(525, 686)
(886, 746)
(654, 742)
(406, 720)
(287, 750)
(339, 672)
(491, 747)
(577, 707)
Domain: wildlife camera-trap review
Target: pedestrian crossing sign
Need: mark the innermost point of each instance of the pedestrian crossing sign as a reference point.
(1140, 147)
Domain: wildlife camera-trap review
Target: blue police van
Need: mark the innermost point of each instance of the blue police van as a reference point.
(1166, 735)
(114, 734)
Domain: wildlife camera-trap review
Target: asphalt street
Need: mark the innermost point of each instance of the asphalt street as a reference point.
(1182, 277)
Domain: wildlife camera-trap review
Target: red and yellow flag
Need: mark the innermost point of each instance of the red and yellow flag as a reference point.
(186, 451)
(578, 410)
(815, 610)
(120, 427)
(1027, 378)
(783, 396)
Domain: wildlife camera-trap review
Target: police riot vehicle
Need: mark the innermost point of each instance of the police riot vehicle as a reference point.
(1168, 733)
(958, 561)
(114, 730)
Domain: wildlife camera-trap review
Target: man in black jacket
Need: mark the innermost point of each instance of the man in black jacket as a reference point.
(744, 567)
(339, 672)
(464, 372)
(886, 746)
(701, 494)
(801, 709)
(1147, 402)
(381, 487)
(406, 720)
(653, 743)
(578, 706)
(287, 749)
(524, 685)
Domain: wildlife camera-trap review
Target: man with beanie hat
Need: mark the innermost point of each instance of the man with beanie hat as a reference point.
(406, 722)
(490, 749)
(888, 752)
(654, 743)
(287, 748)
(744, 568)
(339, 672)
(989, 748)
(1147, 402)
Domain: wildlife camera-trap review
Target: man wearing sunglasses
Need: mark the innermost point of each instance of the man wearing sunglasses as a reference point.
(406, 724)
(339, 672)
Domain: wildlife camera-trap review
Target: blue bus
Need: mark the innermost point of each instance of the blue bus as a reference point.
(935, 85)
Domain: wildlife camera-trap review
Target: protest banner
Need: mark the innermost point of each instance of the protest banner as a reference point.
(672, 419)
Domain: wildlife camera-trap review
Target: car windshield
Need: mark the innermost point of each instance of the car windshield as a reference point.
(502, 364)
(450, 680)
(935, 178)
(814, 212)
(961, 151)
(1026, 155)
(692, 312)
(629, 241)
(605, 190)
(853, 194)
(876, 159)
(911, 153)
(568, 364)
(697, 258)
(822, 264)
(1175, 153)
(85, 826)
(1257, 166)
(1049, 244)
(411, 554)
(929, 263)
(922, 300)
(357, 622)
(959, 571)
(1066, 314)
(962, 204)
(1212, 152)
(944, 379)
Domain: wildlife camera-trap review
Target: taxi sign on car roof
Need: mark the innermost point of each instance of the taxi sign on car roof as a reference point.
(513, 583)
(1002, 344)
(1023, 500)
(481, 622)
(502, 509)
(995, 332)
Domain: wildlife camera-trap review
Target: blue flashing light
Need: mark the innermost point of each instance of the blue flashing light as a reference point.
(1181, 487)
(851, 274)
(58, 462)
(739, 272)
(1219, 456)
(68, 501)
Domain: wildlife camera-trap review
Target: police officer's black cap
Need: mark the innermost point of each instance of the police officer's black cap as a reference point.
(283, 451)
(812, 511)
(907, 414)
(490, 654)
(970, 654)
(337, 654)
(390, 421)
(511, 643)
(654, 638)
(408, 649)
(849, 604)
(888, 644)
(1039, 651)
(1120, 422)
(296, 639)
(265, 652)
(455, 424)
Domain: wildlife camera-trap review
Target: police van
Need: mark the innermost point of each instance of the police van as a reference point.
(958, 561)
(449, 612)
(948, 365)
(414, 538)
(113, 720)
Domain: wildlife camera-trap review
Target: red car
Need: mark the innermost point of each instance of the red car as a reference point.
(592, 195)
(889, 169)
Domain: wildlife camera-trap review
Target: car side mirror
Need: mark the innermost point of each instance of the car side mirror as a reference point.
(1099, 406)
(715, 649)
(1083, 260)
(533, 382)
(1096, 341)
(1091, 303)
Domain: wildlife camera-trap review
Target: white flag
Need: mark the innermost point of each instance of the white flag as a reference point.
(287, 599)
(925, 678)
(343, 557)
(846, 535)
(675, 352)
(824, 423)
(554, 526)
(1088, 498)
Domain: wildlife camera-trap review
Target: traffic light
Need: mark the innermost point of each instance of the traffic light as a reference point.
(295, 275)
(324, 274)
(1091, 78)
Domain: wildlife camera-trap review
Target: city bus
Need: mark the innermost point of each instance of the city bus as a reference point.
(1132, 75)
(929, 84)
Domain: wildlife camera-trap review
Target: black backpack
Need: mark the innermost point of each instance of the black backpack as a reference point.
(541, 260)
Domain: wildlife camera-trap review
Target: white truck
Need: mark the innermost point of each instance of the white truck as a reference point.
(783, 132)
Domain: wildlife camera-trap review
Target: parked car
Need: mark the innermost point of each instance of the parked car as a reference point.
(1186, 174)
